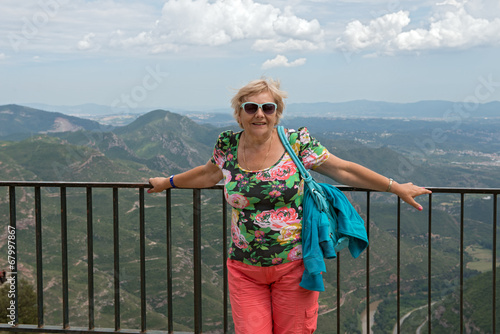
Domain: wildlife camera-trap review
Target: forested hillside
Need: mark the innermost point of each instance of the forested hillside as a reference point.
(162, 143)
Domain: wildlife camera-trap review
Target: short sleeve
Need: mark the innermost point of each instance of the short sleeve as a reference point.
(221, 148)
(310, 151)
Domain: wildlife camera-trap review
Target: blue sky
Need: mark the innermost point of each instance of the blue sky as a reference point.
(193, 54)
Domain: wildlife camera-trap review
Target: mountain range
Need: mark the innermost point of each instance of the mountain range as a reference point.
(432, 109)
(160, 142)
(20, 120)
(465, 154)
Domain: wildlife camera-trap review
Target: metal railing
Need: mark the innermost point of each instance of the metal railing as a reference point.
(66, 327)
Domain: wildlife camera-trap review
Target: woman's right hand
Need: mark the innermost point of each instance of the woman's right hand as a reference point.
(158, 184)
(204, 176)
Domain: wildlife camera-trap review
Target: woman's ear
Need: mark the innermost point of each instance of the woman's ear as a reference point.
(238, 119)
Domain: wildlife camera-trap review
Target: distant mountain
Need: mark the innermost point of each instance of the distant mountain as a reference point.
(168, 140)
(88, 109)
(23, 121)
(222, 117)
(156, 143)
(445, 110)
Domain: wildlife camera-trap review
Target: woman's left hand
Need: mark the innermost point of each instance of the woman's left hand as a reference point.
(355, 175)
(408, 191)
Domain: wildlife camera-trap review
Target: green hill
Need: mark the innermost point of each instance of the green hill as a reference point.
(169, 141)
(44, 158)
(478, 311)
(22, 122)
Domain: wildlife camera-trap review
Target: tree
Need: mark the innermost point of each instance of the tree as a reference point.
(27, 308)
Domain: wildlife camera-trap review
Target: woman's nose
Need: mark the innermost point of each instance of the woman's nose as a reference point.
(259, 112)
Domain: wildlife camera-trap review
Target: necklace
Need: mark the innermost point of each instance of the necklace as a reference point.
(265, 158)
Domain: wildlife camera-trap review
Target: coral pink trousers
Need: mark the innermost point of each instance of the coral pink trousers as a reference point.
(266, 300)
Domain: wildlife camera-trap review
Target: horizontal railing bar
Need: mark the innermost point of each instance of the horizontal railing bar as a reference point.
(56, 184)
(80, 330)
(464, 190)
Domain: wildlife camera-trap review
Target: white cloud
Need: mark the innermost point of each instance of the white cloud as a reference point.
(195, 23)
(251, 25)
(86, 43)
(282, 61)
(377, 34)
(288, 45)
(457, 29)
(451, 26)
(56, 26)
(3, 56)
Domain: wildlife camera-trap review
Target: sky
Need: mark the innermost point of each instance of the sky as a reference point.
(195, 54)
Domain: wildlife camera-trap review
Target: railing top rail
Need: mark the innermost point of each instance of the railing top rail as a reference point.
(60, 184)
(464, 190)
(136, 185)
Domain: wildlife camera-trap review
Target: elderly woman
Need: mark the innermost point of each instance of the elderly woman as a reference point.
(265, 191)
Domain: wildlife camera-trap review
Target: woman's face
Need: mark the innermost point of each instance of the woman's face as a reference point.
(258, 124)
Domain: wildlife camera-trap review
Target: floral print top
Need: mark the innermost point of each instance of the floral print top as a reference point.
(266, 204)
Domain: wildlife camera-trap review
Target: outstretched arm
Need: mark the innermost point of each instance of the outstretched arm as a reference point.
(355, 175)
(204, 176)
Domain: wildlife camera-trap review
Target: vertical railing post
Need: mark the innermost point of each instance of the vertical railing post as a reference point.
(494, 294)
(12, 257)
(116, 246)
(368, 325)
(142, 242)
(338, 291)
(398, 274)
(462, 206)
(429, 268)
(90, 257)
(64, 257)
(39, 267)
(169, 262)
(224, 259)
(197, 260)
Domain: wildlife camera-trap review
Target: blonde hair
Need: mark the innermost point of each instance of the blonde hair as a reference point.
(256, 87)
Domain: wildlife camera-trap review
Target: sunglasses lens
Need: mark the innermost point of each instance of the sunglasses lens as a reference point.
(268, 108)
(251, 108)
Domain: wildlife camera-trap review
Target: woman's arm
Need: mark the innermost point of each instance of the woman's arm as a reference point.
(355, 175)
(204, 176)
